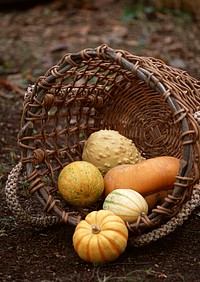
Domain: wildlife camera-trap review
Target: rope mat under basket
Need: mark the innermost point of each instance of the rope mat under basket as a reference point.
(140, 240)
(147, 101)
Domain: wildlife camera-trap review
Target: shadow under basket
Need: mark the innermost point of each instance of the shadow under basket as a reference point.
(149, 102)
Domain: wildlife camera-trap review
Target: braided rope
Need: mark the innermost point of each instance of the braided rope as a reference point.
(44, 221)
(16, 208)
(172, 224)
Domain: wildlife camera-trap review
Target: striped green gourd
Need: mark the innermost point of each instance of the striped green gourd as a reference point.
(126, 203)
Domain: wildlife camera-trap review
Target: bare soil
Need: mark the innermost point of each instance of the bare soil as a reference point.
(31, 41)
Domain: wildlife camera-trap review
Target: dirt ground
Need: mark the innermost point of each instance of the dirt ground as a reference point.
(33, 40)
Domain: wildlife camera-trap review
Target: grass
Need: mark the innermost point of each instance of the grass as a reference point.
(136, 10)
(6, 223)
(3, 174)
(2, 170)
(142, 9)
(3, 232)
(138, 275)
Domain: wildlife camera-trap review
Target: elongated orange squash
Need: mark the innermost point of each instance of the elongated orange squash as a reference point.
(146, 177)
(157, 198)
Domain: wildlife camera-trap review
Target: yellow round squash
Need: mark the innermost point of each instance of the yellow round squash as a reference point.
(102, 237)
(80, 183)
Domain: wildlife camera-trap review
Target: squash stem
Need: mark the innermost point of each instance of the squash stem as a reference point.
(95, 229)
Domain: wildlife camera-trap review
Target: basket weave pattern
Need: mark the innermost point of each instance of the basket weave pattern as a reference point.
(144, 99)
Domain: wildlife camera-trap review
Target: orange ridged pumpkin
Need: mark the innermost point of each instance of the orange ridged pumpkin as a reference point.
(80, 183)
(102, 237)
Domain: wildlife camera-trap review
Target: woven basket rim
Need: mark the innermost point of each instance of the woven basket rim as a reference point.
(183, 115)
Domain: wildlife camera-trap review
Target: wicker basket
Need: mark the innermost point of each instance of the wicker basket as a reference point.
(144, 99)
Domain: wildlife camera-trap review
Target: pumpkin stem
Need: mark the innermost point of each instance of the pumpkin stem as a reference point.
(143, 214)
(95, 229)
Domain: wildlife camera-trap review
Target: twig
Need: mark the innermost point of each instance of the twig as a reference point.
(11, 87)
